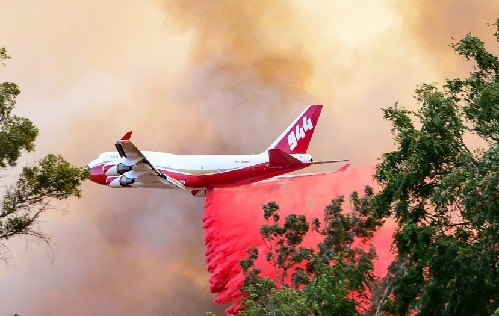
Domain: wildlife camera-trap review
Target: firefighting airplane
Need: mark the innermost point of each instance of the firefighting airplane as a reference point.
(130, 167)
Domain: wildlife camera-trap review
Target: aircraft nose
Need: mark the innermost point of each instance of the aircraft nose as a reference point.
(97, 174)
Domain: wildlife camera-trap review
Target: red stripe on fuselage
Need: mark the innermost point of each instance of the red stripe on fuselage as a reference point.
(233, 177)
(97, 174)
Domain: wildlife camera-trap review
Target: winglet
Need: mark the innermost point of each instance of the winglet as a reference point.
(127, 136)
(342, 169)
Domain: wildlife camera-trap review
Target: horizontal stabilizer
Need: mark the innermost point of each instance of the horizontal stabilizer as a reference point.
(301, 175)
(327, 161)
(278, 158)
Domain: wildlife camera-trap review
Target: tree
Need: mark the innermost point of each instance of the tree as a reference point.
(332, 279)
(38, 186)
(445, 195)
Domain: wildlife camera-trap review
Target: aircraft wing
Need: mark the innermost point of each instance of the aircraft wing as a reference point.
(143, 171)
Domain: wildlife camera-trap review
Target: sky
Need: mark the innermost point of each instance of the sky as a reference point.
(198, 77)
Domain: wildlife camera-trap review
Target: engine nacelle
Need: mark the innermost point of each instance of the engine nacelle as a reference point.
(118, 170)
(120, 182)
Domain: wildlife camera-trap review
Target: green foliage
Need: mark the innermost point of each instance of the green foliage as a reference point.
(286, 301)
(16, 133)
(38, 186)
(445, 196)
(332, 279)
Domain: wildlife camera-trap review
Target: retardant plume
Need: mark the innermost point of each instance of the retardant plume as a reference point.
(233, 217)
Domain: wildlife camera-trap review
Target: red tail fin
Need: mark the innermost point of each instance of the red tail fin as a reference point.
(296, 138)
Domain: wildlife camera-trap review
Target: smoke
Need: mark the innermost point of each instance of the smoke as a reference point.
(245, 66)
(434, 25)
(101, 70)
(206, 77)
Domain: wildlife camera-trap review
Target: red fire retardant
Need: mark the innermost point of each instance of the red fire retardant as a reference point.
(233, 217)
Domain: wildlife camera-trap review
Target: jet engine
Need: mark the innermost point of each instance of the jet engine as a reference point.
(120, 182)
(117, 170)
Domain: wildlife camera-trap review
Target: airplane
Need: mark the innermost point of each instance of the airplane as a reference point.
(129, 167)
